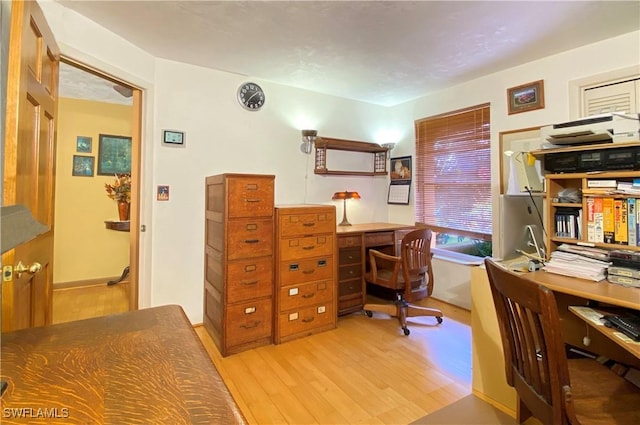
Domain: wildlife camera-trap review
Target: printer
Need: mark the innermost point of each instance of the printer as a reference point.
(613, 127)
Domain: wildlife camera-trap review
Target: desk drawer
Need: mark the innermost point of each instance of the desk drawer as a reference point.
(312, 246)
(249, 238)
(304, 295)
(249, 279)
(349, 241)
(379, 239)
(350, 272)
(350, 256)
(350, 287)
(248, 321)
(305, 270)
(306, 320)
(307, 224)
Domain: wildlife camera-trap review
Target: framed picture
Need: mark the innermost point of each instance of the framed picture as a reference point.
(526, 97)
(399, 192)
(83, 166)
(401, 168)
(83, 144)
(114, 155)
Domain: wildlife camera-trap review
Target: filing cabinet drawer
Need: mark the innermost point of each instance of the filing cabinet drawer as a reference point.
(248, 321)
(312, 246)
(350, 272)
(306, 294)
(249, 279)
(249, 238)
(307, 224)
(306, 320)
(305, 270)
(350, 287)
(350, 256)
(349, 241)
(379, 239)
(250, 197)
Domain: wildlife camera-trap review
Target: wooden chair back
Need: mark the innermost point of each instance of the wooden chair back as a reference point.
(535, 358)
(415, 254)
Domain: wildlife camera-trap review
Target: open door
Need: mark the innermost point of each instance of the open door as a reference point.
(28, 179)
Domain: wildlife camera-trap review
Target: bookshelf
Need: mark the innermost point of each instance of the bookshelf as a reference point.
(595, 201)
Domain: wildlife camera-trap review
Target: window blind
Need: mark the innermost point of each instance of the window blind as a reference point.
(453, 172)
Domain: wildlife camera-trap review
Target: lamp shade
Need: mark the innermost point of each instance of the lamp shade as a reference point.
(345, 195)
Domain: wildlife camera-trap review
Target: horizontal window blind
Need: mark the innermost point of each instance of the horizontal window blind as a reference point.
(453, 172)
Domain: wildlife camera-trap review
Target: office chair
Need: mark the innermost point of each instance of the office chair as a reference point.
(410, 276)
(554, 389)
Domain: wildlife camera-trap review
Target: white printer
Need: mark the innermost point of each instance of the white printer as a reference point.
(604, 128)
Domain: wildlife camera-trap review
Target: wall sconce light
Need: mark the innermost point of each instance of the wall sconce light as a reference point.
(388, 146)
(308, 137)
(344, 196)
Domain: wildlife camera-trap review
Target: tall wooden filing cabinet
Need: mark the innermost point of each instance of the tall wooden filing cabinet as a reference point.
(305, 271)
(238, 275)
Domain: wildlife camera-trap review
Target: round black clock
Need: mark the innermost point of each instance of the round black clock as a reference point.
(251, 96)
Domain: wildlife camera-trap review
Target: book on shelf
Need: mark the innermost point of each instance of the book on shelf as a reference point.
(631, 221)
(568, 222)
(624, 280)
(602, 183)
(621, 229)
(591, 222)
(598, 220)
(608, 220)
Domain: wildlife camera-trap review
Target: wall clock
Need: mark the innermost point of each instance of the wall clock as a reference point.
(251, 96)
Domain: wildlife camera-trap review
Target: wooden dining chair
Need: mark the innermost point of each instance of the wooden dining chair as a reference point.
(549, 386)
(409, 276)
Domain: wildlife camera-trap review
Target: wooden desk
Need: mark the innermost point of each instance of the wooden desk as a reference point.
(353, 242)
(145, 366)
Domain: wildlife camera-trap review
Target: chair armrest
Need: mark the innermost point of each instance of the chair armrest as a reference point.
(375, 254)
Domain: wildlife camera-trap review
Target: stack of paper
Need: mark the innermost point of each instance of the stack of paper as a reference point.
(575, 265)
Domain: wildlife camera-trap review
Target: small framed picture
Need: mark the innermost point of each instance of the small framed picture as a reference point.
(114, 155)
(83, 166)
(526, 97)
(83, 144)
(401, 168)
(162, 193)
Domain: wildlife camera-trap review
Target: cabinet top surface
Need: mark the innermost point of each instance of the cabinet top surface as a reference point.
(371, 227)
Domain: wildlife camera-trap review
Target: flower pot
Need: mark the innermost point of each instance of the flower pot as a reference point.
(123, 210)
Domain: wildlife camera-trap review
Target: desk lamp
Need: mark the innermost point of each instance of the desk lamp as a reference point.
(344, 196)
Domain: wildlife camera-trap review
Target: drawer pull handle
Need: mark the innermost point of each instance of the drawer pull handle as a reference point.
(250, 325)
(251, 282)
(309, 271)
(253, 200)
(351, 272)
(252, 240)
(309, 320)
(309, 224)
(307, 248)
(311, 295)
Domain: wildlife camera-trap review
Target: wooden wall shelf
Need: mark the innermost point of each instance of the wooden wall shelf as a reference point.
(379, 156)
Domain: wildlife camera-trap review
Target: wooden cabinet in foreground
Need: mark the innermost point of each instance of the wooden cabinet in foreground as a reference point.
(376, 154)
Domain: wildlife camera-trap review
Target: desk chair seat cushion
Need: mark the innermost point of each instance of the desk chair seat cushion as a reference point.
(385, 279)
(601, 397)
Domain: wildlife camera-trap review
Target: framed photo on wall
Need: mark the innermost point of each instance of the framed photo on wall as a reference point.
(526, 97)
(114, 155)
(401, 168)
(83, 144)
(83, 166)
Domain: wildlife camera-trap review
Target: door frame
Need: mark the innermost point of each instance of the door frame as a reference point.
(136, 180)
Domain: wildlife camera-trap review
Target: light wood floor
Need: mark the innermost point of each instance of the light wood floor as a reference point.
(364, 372)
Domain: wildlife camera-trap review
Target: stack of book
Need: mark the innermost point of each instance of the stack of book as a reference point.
(613, 220)
(624, 276)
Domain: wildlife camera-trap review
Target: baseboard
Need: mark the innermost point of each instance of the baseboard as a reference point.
(495, 404)
(86, 283)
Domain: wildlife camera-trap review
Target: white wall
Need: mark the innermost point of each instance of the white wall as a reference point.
(223, 137)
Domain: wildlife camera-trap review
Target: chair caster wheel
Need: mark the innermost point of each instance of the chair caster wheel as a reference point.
(439, 319)
(406, 331)
(368, 313)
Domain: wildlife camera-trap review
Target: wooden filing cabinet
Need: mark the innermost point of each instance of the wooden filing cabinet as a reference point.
(305, 271)
(239, 253)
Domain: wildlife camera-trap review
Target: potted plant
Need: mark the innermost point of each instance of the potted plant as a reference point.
(120, 191)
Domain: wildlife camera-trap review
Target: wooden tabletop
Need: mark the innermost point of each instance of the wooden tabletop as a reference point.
(145, 366)
(372, 227)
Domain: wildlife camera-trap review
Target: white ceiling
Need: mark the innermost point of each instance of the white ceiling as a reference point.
(382, 52)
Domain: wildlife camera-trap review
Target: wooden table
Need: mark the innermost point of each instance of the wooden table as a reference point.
(145, 366)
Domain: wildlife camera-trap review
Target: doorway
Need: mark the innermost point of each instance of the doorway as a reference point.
(99, 115)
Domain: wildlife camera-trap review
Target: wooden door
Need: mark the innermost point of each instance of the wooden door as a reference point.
(29, 174)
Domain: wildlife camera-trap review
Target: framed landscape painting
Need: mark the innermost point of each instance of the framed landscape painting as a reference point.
(114, 155)
(526, 97)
